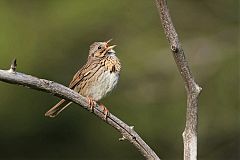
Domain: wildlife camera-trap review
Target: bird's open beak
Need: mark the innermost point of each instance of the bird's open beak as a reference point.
(109, 47)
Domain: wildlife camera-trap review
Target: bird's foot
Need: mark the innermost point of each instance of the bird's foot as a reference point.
(91, 103)
(105, 111)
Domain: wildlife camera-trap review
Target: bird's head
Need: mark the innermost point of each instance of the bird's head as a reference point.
(101, 49)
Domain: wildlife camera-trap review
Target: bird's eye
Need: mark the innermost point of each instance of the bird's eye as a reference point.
(99, 47)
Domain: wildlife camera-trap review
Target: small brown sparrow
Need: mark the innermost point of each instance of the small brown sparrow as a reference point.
(95, 79)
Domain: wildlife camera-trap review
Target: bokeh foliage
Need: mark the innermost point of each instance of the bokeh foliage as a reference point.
(50, 39)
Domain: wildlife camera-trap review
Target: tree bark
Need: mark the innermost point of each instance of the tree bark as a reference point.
(192, 88)
(13, 77)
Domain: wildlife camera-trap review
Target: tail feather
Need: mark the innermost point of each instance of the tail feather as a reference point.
(59, 107)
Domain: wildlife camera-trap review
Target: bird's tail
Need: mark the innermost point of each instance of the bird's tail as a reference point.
(55, 110)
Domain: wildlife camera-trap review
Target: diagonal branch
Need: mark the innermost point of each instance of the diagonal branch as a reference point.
(192, 88)
(10, 76)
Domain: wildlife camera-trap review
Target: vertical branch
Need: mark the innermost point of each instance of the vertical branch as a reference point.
(192, 88)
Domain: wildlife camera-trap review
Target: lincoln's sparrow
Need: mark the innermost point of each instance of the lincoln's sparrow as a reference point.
(95, 79)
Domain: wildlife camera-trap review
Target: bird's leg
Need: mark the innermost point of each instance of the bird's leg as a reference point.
(91, 103)
(105, 111)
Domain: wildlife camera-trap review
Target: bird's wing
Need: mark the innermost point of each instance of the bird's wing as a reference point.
(85, 71)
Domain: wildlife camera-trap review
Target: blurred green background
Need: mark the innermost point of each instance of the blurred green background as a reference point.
(50, 39)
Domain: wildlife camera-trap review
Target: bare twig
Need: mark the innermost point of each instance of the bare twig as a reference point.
(13, 66)
(66, 93)
(192, 88)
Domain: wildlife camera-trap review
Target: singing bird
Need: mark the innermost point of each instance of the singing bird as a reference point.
(95, 79)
